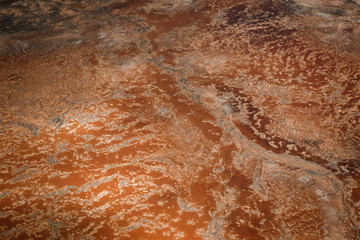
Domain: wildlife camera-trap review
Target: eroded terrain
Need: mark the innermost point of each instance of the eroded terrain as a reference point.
(179, 119)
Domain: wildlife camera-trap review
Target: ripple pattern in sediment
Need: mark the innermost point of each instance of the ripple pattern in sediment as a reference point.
(187, 120)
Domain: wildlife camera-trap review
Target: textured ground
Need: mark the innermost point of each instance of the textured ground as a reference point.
(181, 119)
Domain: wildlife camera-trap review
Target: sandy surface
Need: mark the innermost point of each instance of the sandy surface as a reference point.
(180, 119)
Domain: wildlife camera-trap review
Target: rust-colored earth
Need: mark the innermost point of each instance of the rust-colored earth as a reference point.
(180, 119)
